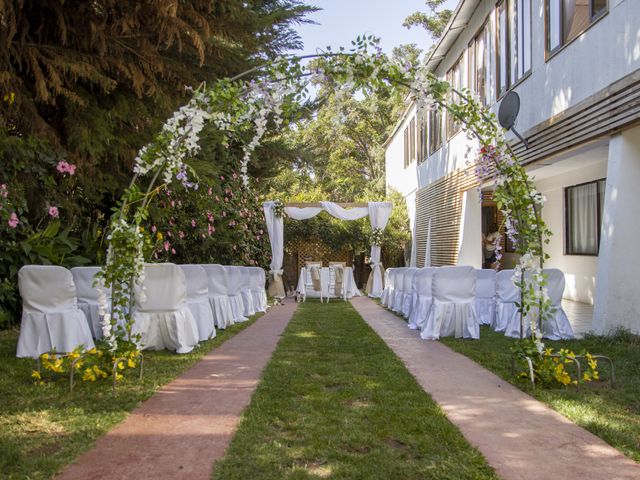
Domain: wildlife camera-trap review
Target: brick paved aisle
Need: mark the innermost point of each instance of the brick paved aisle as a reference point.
(182, 430)
(520, 437)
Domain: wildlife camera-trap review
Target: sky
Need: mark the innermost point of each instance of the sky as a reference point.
(341, 21)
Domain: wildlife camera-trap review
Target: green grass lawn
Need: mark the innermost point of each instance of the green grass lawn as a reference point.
(612, 414)
(44, 427)
(335, 402)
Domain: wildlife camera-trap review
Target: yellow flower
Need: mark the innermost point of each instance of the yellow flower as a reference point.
(93, 351)
(131, 363)
(88, 375)
(120, 365)
(159, 236)
(44, 356)
(36, 375)
(141, 229)
(119, 376)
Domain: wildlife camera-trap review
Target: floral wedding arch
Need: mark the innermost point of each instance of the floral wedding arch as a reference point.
(378, 212)
(243, 108)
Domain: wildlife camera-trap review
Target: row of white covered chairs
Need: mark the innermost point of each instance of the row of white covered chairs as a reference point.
(180, 305)
(454, 301)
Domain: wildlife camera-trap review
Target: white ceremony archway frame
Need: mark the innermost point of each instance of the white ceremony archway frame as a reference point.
(378, 212)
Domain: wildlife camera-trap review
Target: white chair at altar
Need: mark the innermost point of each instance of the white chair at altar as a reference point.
(556, 326)
(51, 319)
(218, 284)
(161, 315)
(198, 300)
(88, 297)
(453, 312)
(398, 289)
(257, 282)
(349, 287)
(423, 280)
(507, 294)
(234, 292)
(248, 308)
(386, 292)
(485, 295)
(409, 292)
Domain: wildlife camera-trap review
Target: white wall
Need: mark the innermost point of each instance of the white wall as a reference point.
(402, 179)
(617, 291)
(579, 167)
(470, 249)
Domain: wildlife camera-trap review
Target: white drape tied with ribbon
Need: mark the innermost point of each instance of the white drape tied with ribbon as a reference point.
(275, 228)
(379, 213)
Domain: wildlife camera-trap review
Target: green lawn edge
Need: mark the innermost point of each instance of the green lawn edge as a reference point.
(335, 402)
(45, 427)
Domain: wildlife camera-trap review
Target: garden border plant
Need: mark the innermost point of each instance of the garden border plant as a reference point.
(245, 107)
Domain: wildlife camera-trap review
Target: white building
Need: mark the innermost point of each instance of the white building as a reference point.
(576, 67)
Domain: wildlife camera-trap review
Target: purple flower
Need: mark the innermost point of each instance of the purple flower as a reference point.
(53, 212)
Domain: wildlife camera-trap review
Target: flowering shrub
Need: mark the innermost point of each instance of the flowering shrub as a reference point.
(549, 367)
(91, 365)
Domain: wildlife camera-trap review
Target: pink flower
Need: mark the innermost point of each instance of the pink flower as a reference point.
(235, 175)
(224, 214)
(13, 220)
(181, 234)
(210, 191)
(167, 245)
(53, 212)
(4, 191)
(221, 178)
(173, 250)
(154, 229)
(169, 234)
(193, 223)
(172, 203)
(211, 229)
(64, 167)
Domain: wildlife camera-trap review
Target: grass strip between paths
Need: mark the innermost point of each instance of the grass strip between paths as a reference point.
(611, 414)
(335, 402)
(44, 427)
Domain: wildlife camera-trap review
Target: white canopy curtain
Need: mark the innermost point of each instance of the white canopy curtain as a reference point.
(379, 213)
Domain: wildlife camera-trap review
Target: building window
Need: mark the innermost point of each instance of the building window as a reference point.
(566, 19)
(484, 61)
(406, 147)
(583, 217)
(423, 147)
(435, 130)
(514, 42)
(457, 79)
(412, 140)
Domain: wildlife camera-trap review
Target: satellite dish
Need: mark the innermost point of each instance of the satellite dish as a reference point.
(508, 114)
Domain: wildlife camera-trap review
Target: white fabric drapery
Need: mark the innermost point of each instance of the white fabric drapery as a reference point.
(275, 228)
(379, 213)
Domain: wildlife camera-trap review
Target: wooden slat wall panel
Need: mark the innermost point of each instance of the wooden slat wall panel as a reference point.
(608, 111)
(441, 202)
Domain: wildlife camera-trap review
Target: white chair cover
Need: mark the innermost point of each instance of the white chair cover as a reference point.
(384, 299)
(88, 297)
(258, 293)
(218, 297)
(234, 292)
(453, 312)
(163, 320)
(423, 281)
(557, 326)
(398, 289)
(198, 300)
(485, 295)
(409, 293)
(507, 294)
(51, 319)
(248, 308)
(349, 288)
